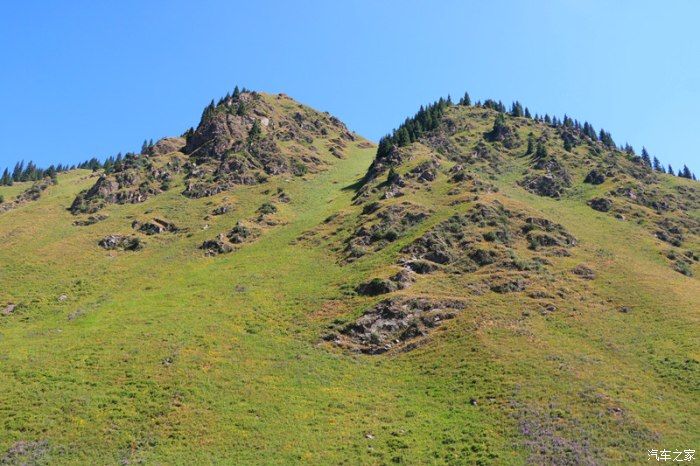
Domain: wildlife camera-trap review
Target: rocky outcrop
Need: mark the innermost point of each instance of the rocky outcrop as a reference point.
(30, 194)
(167, 146)
(595, 177)
(121, 243)
(238, 142)
(395, 324)
(385, 226)
(130, 181)
(215, 247)
(553, 183)
(601, 204)
(154, 227)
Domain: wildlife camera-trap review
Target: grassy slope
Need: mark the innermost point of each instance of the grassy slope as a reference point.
(180, 358)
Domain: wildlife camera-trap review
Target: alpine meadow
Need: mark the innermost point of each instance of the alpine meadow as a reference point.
(470, 281)
(274, 288)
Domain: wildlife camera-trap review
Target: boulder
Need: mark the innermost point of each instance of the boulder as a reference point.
(120, 242)
(600, 204)
(216, 247)
(595, 177)
(375, 287)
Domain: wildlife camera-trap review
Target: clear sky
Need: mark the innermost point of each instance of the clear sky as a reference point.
(92, 78)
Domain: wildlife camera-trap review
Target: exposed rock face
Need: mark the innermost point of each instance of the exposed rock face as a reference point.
(166, 146)
(8, 310)
(595, 177)
(241, 233)
(543, 233)
(221, 210)
(395, 324)
(481, 237)
(120, 242)
(670, 232)
(502, 132)
(380, 165)
(387, 225)
(237, 142)
(90, 220)
(216, 247)
(30, 194)
(509, 285)
(552, 183)
(600, 204)
(376, 286)
(155, 227)
(131, 181)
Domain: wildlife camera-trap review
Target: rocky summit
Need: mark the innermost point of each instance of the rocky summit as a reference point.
(483, 286)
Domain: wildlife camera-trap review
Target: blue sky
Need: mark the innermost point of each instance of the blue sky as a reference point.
(92, 78)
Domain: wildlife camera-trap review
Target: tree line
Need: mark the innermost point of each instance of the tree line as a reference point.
(428, 118)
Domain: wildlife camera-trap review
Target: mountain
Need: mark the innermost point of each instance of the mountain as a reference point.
(270, 287)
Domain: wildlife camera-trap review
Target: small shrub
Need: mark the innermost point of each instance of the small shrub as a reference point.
(267, 208)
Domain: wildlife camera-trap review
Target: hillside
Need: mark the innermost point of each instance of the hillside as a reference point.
(272, 288)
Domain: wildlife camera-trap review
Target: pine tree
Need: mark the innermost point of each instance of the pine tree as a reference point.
(517, 109)
(236, 93)
(466, 100)
(686, 173)
(657, 165)
(17, 172)
(645, 157)
(6, 179)
(530, 143)
(255, 131)
(144, 146)
(670, 170)
(403, 137)
(567, 145)
(606, 139)
(541, 152)
(527, 113)
(384, 147)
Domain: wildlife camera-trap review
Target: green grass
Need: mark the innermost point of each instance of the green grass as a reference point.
(166, 356)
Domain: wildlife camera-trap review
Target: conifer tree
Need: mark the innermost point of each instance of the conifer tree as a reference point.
(17, 172)
(530, 143)
(645, 157)
(255, 131)
(657, 165)
(6, 179)
(517, 109)
(466, 100)
(685, 173)
(670, 170)
(541, 152)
